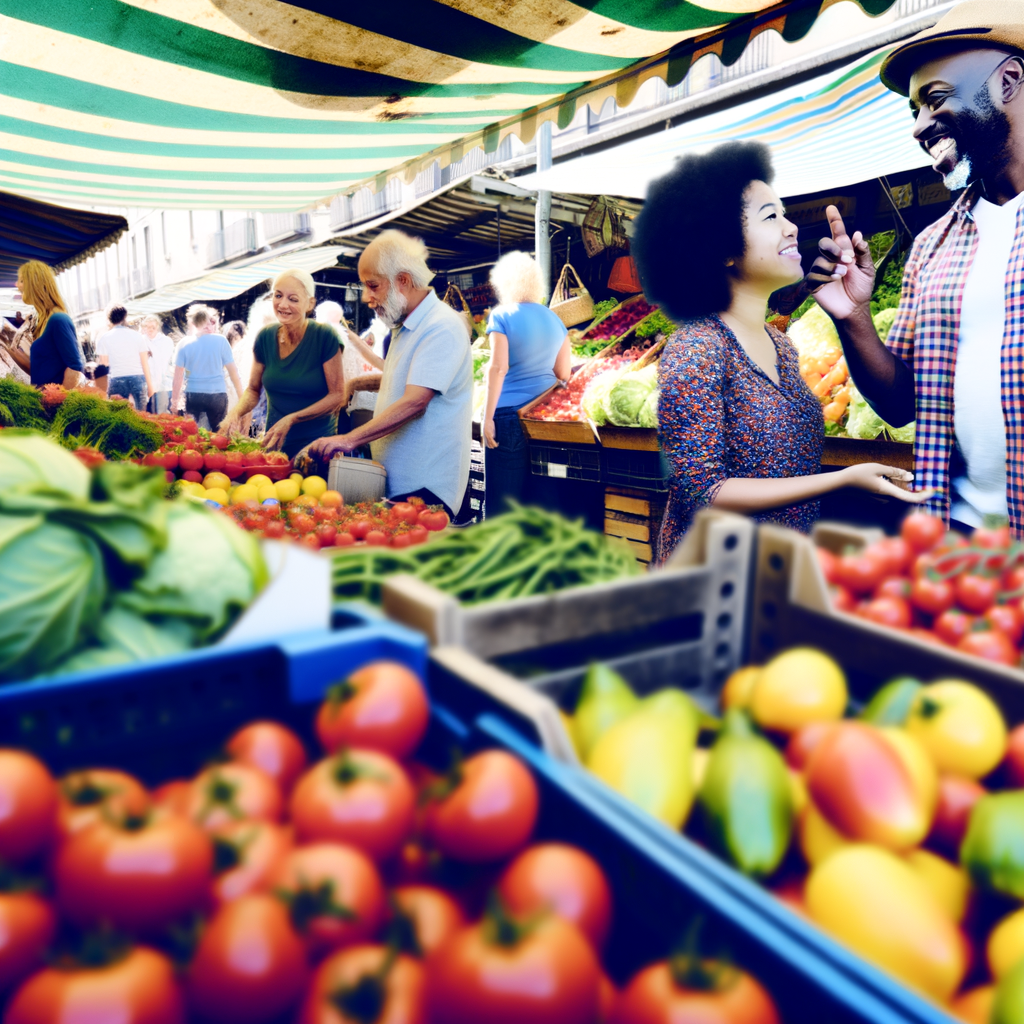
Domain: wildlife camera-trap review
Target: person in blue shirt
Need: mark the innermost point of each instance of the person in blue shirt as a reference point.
(530, 352)
(204, 360)
(55, 356)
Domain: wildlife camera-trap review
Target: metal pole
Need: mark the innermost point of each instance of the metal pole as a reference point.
(542, 231)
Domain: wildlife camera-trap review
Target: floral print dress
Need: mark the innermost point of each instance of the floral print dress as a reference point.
(721, 416)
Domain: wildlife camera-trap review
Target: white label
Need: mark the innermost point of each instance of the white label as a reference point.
(557, 469)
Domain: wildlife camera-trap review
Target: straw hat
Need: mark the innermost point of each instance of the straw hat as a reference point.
(974, 24)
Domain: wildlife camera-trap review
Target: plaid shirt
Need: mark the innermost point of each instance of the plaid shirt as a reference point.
(925, 335)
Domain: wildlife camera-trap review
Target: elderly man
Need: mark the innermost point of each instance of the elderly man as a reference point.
(422, 429)
(955, 349)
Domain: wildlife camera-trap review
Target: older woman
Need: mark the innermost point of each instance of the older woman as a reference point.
(204, 359)
(55, 356)
(740, 428)
(530, 352)
(298, 362)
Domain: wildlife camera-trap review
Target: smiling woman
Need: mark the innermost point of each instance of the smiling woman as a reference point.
(740, 428)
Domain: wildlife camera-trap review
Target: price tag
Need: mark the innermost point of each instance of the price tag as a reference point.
(557, 469)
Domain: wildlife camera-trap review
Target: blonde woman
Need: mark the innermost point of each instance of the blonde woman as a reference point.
(298, 362)
(529, 352)
(55, 356)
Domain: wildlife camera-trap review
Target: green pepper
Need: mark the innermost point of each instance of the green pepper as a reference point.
(746, 799)
(993, 849)
(1008, 1005)
(892, 704)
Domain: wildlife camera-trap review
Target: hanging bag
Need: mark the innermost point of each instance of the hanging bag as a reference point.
(453, 297)
(571, 303)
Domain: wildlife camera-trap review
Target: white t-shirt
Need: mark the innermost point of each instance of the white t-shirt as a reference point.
(161, 363)
(122, 345)
(977, 399)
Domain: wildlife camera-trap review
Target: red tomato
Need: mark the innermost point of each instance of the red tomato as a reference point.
(250, 965)
(922, 531)
(490, 812)
(311, 541)
(1008, 620)
(419, 534)
(423, 918)
(894, 586)
(401, 540)
(842, 599)
(274, 530)
(192, 476)
(361, 797)
(991, 645)
(1012, 582)
(507, 974)
(957, 797)
(190, 460)
(325, 514)
(359, 528)
(139, 877)
(382, 706)
(246, 857)
(656, 996)
(976, 594)
(1014, 761)
(89, 796)
(804, 742)
(302, 523)
(173, 796)
(897, 554)
(354, 979)
(258, 458)
(220, 441)
(230, 792)
(563, 879)
(344, 540)
(326, 534)
(926, 635)
(234, 467)
(433, 519)
(271, 747)
(334, 893)
(27, 927)
(28, 802)
(996, 538)
(214, 461)
(893, 612)
(860, 572)
(138, 989)
(828, 563)
(932, 597)
(377, 538)
(952, 626)
(403, 512)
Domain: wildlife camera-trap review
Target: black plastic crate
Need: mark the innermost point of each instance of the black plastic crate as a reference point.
(627, 467)
(566, 461)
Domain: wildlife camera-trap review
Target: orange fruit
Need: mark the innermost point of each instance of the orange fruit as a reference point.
(332, 499)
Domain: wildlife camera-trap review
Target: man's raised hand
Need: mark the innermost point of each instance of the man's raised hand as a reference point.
(843, 276)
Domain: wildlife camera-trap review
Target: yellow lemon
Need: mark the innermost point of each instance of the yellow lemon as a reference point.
(1005, 947)
(267, 491)
(244, 492)
(314, 486)
(287, 490)
(948, 882)
(739, 686)
(297, 477)
(218, 480)
(259, 480)
(797, 687)
(193, 489)
(217, 494)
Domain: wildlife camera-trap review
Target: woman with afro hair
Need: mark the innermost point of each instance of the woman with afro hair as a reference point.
(738, 425)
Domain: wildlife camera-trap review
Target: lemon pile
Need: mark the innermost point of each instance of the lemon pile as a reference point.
(217, 487)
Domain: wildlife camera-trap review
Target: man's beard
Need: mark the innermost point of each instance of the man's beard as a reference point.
(984, 134)
(393, 309)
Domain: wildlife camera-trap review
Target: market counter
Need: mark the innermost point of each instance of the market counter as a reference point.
(849, 451)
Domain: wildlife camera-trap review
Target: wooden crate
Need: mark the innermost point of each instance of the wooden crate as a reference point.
(849, 451)
(635, 516)
(640, 439)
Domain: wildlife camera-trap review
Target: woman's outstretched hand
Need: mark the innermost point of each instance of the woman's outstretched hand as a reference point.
(878, 479)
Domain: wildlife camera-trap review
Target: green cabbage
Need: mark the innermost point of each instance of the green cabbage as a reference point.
(27, 457)
(626, 398)
(883, 321)
(865, 424)
(595, 397)
(814, 329)
(649, 411)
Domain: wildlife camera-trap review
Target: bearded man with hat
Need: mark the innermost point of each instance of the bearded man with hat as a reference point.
(954, 358)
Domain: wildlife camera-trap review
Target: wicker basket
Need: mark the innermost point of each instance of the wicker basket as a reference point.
(453, 297)
(572, 304)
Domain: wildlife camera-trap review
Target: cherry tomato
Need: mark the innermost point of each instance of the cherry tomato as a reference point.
(897, 554)
(422, 918)
(250, 965)
(893, 612)
(894, 586)
(659, 995)
(377, 538)
(361, 797)
(326, 533)
(324, 515)
(310, 540)
(138, 989)
(992, 645)
(173, 796)
(383, 706)
(302, 523)
(860, 572)
(344, 539)
(402, 540)
(828, 563)
(1007, 619)
(922, 531)
(952, 626)
(563, 879)
(403, 512)
(359, 528)
(1013, 581)
(246, 857)
(352, 980)
(433, 519)
(932, 597)
(140, 876)
(230, 792)
(271, 747)
(334, 894)
(842, 599)
(490, 812)
(87, 797)
(274, 530)
(976, 594)
(996, 538)
(503, 973)
(957, 797)
(28, 802)
(419, 534)
(27, 927)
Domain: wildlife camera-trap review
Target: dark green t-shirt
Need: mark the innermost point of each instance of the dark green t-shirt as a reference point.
(297, 381)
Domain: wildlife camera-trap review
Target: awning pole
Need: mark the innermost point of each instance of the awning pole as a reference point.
(542, 235)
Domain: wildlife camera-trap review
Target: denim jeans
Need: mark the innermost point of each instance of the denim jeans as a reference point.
(213, 405)
(507, 467)
(130, 387)
(160, 402)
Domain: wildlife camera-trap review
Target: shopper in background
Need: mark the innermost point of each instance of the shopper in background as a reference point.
(530, 352)
(298, 361)
(200, 364)
(55, 357)
(161, 362)
(738, 425)
(126, 352)
(261, 314)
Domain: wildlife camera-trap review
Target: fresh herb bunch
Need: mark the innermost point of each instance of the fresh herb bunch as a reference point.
(21, 406)
(113, 427)
(655, 323)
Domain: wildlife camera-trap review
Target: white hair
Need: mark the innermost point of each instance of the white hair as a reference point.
(325, 309)
(516, 278)
(394, 252)
(153, 319)
(302, 277)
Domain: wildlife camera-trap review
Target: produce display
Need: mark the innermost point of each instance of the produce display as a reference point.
(564, 404)
(100, 569)
(899, 830)
(625, 397)
(955, 591)
(520, 553)
(616, 323)
(354, 887)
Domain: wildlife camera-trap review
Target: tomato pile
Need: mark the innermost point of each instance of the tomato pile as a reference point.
(960, 592)
(619, 321)
(563, 404)
(359, 887)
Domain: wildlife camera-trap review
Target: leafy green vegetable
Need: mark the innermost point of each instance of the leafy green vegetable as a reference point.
(627, 396)
(887, 291)
(596, 395)
(814, 330)
(590, 348)
(655, 323)
(883, 321)
(23, 404)
(115, 428)
(880, 243)
(604, 306)
(804, 306)
(649, 412)
(864, 423)
(29, 458)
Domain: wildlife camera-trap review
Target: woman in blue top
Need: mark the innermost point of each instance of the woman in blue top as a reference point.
(56, 356)
(529, 352)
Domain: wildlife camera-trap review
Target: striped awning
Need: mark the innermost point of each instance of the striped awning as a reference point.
(261, 104)
(227, 283)
(836, 130)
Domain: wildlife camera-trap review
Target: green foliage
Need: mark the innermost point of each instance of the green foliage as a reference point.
(604, 306)
(23, 405)
(804, 306)
(655, 323)
(887, 291)
(115, 428)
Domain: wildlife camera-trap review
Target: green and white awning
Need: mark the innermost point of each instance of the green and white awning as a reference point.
(261, 104)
